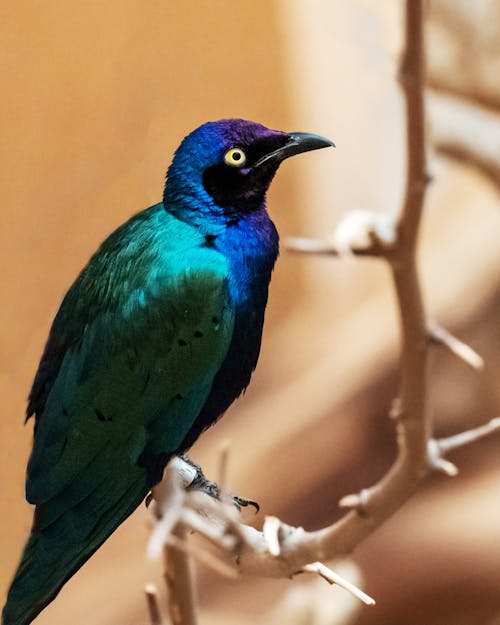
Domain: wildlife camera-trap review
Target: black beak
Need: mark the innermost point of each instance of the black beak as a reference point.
(297, 143)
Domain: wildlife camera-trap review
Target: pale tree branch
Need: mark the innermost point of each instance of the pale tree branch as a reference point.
(153, 607)
(281, 550)
(334, 578)
(297, 548)
(439, 336)
(470, 436)
(168, 496)
(309, 603)
(179, 581)
(360, 233)
(460, 129)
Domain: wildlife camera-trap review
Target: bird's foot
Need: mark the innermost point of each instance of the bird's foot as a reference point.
(203, 484)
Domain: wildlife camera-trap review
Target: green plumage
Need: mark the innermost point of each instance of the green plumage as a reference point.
(153, 342)
(144, 340)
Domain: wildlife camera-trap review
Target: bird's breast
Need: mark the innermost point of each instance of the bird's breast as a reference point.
(251, 254)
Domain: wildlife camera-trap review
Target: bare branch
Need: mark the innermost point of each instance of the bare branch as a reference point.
(153, 608)
(470, 436)
(411, 77)
(436, 461)
(318, 247)
(359, 233)
(169, 490)
(281, 550)
(440, 336)
(304, 245)
(178, 577)
(334, 578)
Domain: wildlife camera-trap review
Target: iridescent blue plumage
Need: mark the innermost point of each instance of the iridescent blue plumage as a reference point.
(152, 343)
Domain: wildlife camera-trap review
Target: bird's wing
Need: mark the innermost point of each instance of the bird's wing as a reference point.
(132, 376)
(129, 363)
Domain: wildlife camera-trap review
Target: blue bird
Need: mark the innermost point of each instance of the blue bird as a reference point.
(155, 339)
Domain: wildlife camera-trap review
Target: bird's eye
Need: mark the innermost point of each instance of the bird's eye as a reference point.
(235, 157)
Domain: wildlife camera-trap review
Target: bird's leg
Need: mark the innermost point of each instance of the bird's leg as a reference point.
(197, 481)
(202, 483)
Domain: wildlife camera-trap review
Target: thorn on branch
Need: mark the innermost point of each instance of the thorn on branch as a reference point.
(439, 336)
(153, 607)
(356, 501)
(446, 445)
(334, 578)
(396, 410)
(437, 462)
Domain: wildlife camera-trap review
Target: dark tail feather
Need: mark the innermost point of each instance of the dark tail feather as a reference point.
(55, 552)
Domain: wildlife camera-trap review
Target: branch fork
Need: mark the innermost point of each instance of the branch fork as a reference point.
(280, 550)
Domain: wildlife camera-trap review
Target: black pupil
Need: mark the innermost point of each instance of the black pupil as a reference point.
(236, 156)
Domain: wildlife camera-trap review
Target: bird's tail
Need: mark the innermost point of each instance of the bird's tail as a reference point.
(59, 545)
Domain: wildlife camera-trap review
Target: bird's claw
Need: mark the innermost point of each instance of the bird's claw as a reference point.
(239, 502)
(203, 484)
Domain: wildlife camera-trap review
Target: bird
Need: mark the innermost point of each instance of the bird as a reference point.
(157, 336)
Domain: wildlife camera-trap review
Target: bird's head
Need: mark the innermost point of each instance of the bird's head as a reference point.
(223, 169)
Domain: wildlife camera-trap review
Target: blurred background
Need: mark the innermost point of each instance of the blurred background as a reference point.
(96, 95)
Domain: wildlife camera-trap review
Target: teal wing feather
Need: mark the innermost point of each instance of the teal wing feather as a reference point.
(149, 326)
(146, 327)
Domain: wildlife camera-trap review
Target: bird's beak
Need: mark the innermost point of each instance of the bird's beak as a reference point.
(297, 143)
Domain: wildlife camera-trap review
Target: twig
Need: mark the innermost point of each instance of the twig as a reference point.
(169, 498)
(319, 247)
(181, 599)
(464, 352)
(334, 578)
(281, 550)
(470, 436)
(359, 233)
(436, 461)
(153, 607)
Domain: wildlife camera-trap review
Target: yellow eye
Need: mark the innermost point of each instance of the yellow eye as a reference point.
(235, 157)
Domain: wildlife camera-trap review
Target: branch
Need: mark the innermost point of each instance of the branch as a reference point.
(360, 233)
(153, 607)
(281, 550)
(292, 550)
(411, 77)
(178, 577)
(334, 578)
(218, 521)
(168, 496)
(470, 436)
(465, 353)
